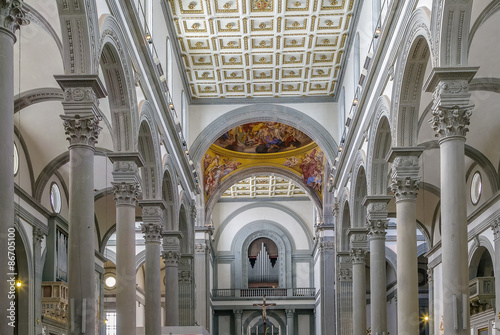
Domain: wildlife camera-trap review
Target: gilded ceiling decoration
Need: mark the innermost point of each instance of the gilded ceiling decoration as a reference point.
(261, 48)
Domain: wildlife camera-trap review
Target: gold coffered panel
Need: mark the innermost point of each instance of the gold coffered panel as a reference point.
(261, 48)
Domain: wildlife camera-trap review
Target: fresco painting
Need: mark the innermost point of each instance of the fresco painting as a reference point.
(263, 137)
(309, 165)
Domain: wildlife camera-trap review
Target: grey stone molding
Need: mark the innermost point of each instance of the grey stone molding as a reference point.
(152, 211)
(12, 16)
(35, 96)
(358, 238)
(376, 217)
(405, 168)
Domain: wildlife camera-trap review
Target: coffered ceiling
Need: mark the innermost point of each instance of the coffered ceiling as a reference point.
(262, 48)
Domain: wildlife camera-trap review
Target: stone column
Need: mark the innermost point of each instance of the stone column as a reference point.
(38, 236)
(171, 256)
(405, 166)
(202, 254)
(125, 188)
(290, 329)
(357, 237)
(430, 284)
(11, 17)
(377, 224)
(238, 313)
(451, 116)
(152, 228)
(344, 296)
(326, 261)
(496, 233)
(81, 124)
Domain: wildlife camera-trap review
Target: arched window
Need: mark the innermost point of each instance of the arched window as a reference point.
(263, 269)
(16, 160)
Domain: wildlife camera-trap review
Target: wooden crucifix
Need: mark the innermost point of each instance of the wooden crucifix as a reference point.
(264, 306)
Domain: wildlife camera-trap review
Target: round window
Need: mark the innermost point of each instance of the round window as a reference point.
(110, 281)
(55, 198)
(16, 160)
(476, 187)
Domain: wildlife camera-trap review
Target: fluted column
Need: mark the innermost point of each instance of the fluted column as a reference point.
(377, 224)
(358, 257)
(11, 17)
(238, 313)
(81, 124)
(290, 329)
(171, 256)
(450, 117)
(405, 167)
(125, 188)
(152, 228)
(344, 295)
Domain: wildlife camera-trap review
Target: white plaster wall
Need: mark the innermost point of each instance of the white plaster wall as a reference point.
(288, 223)
(224, 325)
(224, 276)
(304, 324)
(302, 271)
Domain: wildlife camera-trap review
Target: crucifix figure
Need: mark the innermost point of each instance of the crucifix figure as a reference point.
(264, 306)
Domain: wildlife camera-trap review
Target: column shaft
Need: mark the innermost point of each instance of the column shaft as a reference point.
(125, 270)
(6, 165)
(454, 236)
(81, 259)
(290, 329)
(38, 270)
(153, 288)
(407, 272)
(237, 321)
(171, 294)
(359, 295)
(152, 227)
(171, 256)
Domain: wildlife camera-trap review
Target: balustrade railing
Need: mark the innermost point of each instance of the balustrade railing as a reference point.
(307, 292)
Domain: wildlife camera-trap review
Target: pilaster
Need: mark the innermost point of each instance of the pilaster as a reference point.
(495, 226)
(171, 256)
(358, 239)
(344, 296)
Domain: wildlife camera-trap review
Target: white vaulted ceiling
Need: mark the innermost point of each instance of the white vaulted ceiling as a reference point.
(262, 48)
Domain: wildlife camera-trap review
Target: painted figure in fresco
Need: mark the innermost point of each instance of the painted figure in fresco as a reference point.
(262, 137)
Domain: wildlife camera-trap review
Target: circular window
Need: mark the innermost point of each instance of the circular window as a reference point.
(110, 281)
(16, 160)
(55, 198)
(476, 187)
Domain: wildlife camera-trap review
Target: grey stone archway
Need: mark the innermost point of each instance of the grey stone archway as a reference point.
(249, 233)
(240, 175)
(264, 112)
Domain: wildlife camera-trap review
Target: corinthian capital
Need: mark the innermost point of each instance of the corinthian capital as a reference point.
(152, 232)
(171, 258)
(405, 188)
(81, 130)
(495, 225)
(358, 255)
(12, 15)
(450, 121)
(125, 193)
(376, 228)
